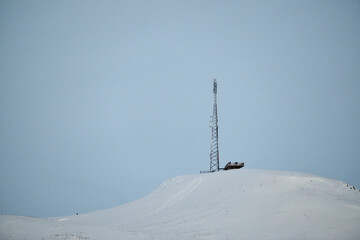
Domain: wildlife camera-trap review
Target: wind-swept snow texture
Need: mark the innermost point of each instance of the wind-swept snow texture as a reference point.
(238, 204)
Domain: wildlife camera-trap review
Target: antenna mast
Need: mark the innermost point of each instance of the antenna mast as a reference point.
(214, 145)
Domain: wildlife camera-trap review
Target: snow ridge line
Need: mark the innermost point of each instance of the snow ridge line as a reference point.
(180, 195)
(183, 193)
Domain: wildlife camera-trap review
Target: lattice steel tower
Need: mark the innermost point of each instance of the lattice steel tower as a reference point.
(214, 145)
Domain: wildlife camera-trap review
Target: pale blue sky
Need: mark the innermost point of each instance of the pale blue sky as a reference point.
(101, 101)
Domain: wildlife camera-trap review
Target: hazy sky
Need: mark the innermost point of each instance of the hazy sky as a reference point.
(101, 101)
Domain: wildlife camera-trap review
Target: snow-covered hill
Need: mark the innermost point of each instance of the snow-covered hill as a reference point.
(237, 204)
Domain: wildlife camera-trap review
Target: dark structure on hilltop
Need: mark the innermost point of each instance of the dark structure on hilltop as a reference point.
(234, 165)
(214, 144)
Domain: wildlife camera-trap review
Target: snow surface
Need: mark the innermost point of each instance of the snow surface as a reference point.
(237, 204)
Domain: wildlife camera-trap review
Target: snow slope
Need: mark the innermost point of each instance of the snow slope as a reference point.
(237, 204)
